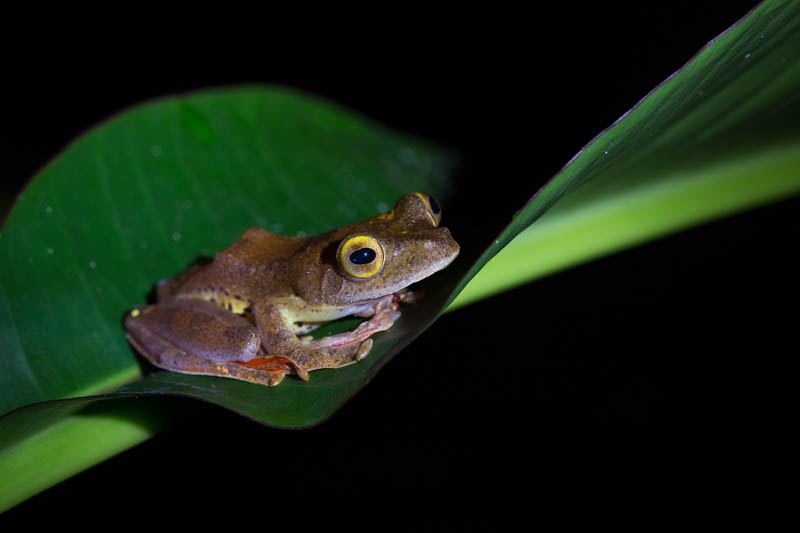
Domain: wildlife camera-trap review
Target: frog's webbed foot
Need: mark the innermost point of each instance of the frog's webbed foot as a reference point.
(407, 296)
(275, 367)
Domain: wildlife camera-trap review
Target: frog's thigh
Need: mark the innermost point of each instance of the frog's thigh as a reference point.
(198, 327)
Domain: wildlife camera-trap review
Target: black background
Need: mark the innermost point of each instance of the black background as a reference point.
(657, 351)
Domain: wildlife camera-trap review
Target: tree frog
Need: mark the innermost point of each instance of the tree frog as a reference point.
(246, 315)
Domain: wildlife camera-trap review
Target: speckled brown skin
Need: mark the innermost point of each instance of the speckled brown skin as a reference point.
(240, 315)
(167, 355)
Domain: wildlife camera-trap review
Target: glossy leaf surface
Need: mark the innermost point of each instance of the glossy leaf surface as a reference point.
(721, 134)
(146, 194)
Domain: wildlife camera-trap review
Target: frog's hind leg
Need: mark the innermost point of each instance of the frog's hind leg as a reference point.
(178, 338)
(166, 355)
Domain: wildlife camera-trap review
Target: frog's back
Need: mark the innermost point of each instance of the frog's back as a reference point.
(246, 271)
(259, 247)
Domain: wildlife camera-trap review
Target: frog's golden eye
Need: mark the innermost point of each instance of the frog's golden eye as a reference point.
(432, 206)
(360, 256)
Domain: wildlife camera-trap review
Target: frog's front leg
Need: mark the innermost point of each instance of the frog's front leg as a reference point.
(275, 319)
(198, 337)
(384, 313)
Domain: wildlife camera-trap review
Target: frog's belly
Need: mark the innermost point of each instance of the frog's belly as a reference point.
(326, 313)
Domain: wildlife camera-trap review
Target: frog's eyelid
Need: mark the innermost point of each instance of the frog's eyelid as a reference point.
(422, 196)
(430, 202)
(434, 205)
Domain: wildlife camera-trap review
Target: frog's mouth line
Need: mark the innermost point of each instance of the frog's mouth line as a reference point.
(428, 272)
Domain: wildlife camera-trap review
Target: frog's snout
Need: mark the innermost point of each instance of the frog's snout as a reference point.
(447, 237)
(442, 249)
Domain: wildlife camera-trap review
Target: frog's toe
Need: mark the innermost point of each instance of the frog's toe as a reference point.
(407, 296)
(363, 349)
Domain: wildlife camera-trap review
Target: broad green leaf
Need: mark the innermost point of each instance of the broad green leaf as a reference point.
(146, 194)
(165, 185)
(143, 196)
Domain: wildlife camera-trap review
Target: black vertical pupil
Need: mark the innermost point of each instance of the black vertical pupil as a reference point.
(362, 256)
(434, 206)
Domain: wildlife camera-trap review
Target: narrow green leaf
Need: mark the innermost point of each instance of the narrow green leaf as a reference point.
(720, 135)
(59, 445)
